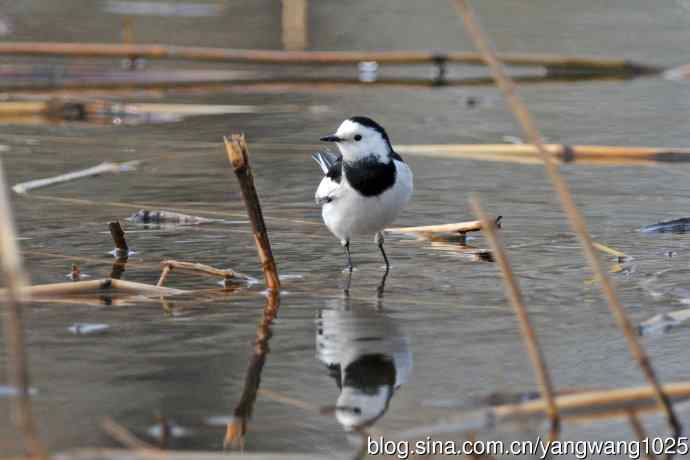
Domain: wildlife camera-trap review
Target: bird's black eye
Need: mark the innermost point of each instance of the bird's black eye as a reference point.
(358, 138)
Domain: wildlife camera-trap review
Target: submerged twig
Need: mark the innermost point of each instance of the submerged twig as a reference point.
(106, 167)
(15, 279)
(526, 328)
(577, 222)
(238, 155)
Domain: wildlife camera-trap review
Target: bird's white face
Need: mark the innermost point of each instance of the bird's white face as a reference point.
(357, 141)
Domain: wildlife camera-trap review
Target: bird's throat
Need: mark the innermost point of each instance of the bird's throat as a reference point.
(369, 176)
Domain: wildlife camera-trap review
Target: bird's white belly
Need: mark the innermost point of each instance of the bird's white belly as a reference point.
(352, 213)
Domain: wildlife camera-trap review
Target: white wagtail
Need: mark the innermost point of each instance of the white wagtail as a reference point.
(365, 187)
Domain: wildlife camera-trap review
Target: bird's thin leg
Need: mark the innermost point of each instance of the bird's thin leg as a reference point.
(380, 289)
(379, 241)
(346, 244)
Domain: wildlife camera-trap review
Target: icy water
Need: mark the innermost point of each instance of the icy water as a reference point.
(443, 332)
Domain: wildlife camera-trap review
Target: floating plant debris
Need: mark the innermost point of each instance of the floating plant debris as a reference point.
(7, 391)
(88, 328)
(145, 216)
(105, 167)
(681, 225)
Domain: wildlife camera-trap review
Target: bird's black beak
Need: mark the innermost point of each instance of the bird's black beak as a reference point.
(331, 138)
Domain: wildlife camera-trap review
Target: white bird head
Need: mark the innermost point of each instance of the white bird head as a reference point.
(361, 137)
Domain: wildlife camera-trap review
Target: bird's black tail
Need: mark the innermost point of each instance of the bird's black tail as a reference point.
(325, 160)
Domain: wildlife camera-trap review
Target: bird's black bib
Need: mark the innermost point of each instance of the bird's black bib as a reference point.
(369, 176)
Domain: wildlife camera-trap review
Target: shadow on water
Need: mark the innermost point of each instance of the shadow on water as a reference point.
(237, 428)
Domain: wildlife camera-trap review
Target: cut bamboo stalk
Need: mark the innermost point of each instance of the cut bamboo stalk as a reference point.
(526, 329)
(106, 167)
(155, 51)
(586, 405)
(85, 287)
(227, 274)
(577, 222)
(238, 155)
(14, 277)
(564, 153)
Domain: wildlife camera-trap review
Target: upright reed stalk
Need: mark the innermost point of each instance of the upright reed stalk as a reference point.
(526, 329)
(15, 279)
(577, 222)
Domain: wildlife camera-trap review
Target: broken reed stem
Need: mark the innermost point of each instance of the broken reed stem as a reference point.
(14, 278)
(238, 155)
(121, 250)
(118, 238)
(164, 275)
(577, 222)
(526, 328)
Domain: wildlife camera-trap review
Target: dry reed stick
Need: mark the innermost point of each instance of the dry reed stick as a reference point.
(526, 328)
(585, 406)
(227, 274)
(152, 51)
(528, 153)
(577, 222)
(14, 277)
(460, 227)
(238, 155)
(85, 287)
(105, 167)
(164, 275)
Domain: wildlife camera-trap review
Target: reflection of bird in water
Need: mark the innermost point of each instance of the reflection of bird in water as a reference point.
(368, 357)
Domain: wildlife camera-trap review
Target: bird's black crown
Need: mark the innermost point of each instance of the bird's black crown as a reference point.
(369, 123)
